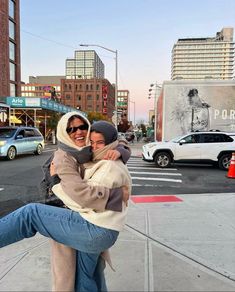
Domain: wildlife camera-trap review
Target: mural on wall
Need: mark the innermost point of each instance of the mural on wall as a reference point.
(192, 112)
(200, 107)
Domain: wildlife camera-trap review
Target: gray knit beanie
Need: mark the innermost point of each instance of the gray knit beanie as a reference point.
(106, 129)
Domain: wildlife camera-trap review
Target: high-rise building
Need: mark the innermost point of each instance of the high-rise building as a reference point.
(204, 58)
(85, 65)
(10, 79)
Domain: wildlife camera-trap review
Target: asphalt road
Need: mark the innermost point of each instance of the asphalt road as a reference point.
(19, 179)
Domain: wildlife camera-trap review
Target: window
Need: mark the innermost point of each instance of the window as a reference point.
(89, 97)
(11, 29)
(191, 139)
(97, 96)
(12, 9)
(67, 96)
(29, 133)
(12, 89)
(80, 86)
(12, 72)
(97, 86)
(79, 97)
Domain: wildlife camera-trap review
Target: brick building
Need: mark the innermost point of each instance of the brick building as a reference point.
(43, 86)
(10, 80)
(89, 95)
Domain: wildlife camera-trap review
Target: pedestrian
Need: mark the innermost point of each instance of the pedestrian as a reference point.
(86, 224)
(63, 261)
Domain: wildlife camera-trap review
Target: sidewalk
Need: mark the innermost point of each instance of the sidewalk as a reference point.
(170, 246)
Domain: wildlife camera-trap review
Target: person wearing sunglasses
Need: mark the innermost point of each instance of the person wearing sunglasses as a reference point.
(75, 226)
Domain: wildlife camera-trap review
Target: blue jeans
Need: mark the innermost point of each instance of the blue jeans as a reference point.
(90, 273)
(62, 225)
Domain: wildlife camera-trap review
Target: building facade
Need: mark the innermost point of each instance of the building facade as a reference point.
(43, 86)
(204, 58)
(89, 95)
(86, 64)
(50, 91)
(123, 103)
(10, 79)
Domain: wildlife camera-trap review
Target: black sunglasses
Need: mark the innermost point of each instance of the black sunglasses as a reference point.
(74, 129)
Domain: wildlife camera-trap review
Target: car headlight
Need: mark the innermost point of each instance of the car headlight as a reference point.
(151, 145)
(2, 143)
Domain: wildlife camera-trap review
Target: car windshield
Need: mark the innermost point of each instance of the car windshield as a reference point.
(7, 132)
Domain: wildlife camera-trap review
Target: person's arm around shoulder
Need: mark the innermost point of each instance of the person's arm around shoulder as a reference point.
(89, 196)
(122, 151)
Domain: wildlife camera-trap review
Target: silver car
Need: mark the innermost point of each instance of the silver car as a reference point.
(20, 140)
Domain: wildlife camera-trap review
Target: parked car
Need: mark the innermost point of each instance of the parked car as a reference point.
(208, 147)
(20, 140)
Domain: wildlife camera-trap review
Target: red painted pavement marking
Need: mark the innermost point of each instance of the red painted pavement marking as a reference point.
(155, 199)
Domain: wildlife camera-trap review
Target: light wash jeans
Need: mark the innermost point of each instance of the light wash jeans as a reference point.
(64, 226)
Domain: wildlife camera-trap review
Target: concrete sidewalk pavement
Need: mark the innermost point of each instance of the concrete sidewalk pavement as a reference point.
(161, 249)
(188, 245)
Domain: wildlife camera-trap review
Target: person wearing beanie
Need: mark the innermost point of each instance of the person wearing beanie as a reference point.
(107, 130)
(87, 225)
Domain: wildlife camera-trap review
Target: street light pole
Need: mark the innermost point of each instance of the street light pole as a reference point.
(116, 76)
(134, 109)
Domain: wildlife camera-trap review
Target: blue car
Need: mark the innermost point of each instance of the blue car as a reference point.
(20, 140)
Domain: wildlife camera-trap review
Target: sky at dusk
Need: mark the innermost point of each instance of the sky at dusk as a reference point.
(142, 31)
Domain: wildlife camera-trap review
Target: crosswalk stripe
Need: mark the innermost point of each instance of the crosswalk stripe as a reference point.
(157, 179)
(155, 168)
(155, 173)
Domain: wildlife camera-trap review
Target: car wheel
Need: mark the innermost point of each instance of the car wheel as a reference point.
(224, 161)
(162, 159)
(38, 149)
(11, 153)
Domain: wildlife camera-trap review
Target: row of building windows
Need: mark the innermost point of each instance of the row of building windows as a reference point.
(79, 98)
(79, 63)
(77, 71)
(79, 76)
(81, 87)
(204, 70)
(84, 54)
(202, 67)
(123, 93)
(208, 46)
(203, 54)
(38, 88)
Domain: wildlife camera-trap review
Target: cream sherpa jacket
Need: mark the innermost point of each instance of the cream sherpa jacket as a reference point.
(105, 173)
(93, 192)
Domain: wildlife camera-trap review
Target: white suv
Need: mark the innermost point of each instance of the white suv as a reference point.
(207, 147)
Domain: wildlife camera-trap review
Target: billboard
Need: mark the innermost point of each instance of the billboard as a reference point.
(196, 106)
